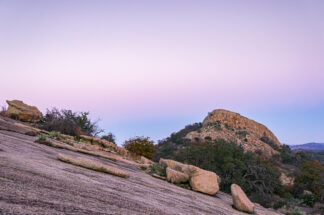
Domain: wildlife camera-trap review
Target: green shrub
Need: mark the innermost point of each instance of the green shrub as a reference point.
(293, 211)
(157, 169)
(308, 199)
(42, 139)
(140, 146)
(56, 135)
(311, 177)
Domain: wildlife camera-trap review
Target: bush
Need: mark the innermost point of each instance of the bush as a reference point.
(42, 139)
(157, 169)
(311, 177)
(140, 146)
(308, 199)
(110, 137)
(69, 122)
(56, 136)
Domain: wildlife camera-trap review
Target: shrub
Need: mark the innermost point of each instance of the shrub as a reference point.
(157, 169)
(140, 146)
(311, 177)
(308, 199)
(42, 139)
(110, 137)
(69, 122)
(56, 135)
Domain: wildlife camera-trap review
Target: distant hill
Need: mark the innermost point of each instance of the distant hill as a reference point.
(308, 147)
(223, 125)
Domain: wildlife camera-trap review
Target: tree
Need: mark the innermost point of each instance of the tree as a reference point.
(140, 146)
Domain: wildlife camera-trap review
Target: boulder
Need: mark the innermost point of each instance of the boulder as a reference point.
(144, 160)
(240, 200)
(175, 165)
(285, 180)
(176, 177)
(23, 112)
(200, 180)
(203, 181)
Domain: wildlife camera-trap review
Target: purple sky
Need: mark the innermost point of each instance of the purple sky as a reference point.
(151, 67)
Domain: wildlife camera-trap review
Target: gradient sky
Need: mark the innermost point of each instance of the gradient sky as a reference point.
(151, 67)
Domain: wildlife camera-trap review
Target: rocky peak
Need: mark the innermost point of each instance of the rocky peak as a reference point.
(232, 127)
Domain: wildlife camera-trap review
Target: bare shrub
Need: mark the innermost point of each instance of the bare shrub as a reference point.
(69, 122)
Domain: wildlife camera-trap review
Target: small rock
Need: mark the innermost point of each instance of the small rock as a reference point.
(240, 200)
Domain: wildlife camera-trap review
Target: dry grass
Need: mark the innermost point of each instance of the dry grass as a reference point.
(90, 164)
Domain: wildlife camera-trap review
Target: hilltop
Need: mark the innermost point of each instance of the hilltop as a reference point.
(231, 127)
(308, 147)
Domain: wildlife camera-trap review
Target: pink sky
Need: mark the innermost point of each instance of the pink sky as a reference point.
(141, 64)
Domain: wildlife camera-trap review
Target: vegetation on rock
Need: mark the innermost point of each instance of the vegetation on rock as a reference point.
(141, 146)
(69, 122)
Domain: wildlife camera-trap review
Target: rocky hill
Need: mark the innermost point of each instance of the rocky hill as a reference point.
(232, 127)
(34, 180)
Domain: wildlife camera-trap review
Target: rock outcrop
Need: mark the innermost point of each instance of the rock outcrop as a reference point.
(232, 127)
(23, 112)
(200, 180)
(240, 200)
(285, 180)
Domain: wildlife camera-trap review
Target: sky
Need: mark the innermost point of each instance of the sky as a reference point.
(148, 68)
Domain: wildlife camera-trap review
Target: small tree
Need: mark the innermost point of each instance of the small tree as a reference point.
(69, 122)
(140, 146)
(110, 137)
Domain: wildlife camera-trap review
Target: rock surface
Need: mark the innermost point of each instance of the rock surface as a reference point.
(33, 181)
(176, 177)
(23, 112)
(232, 127)
(240, 200)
